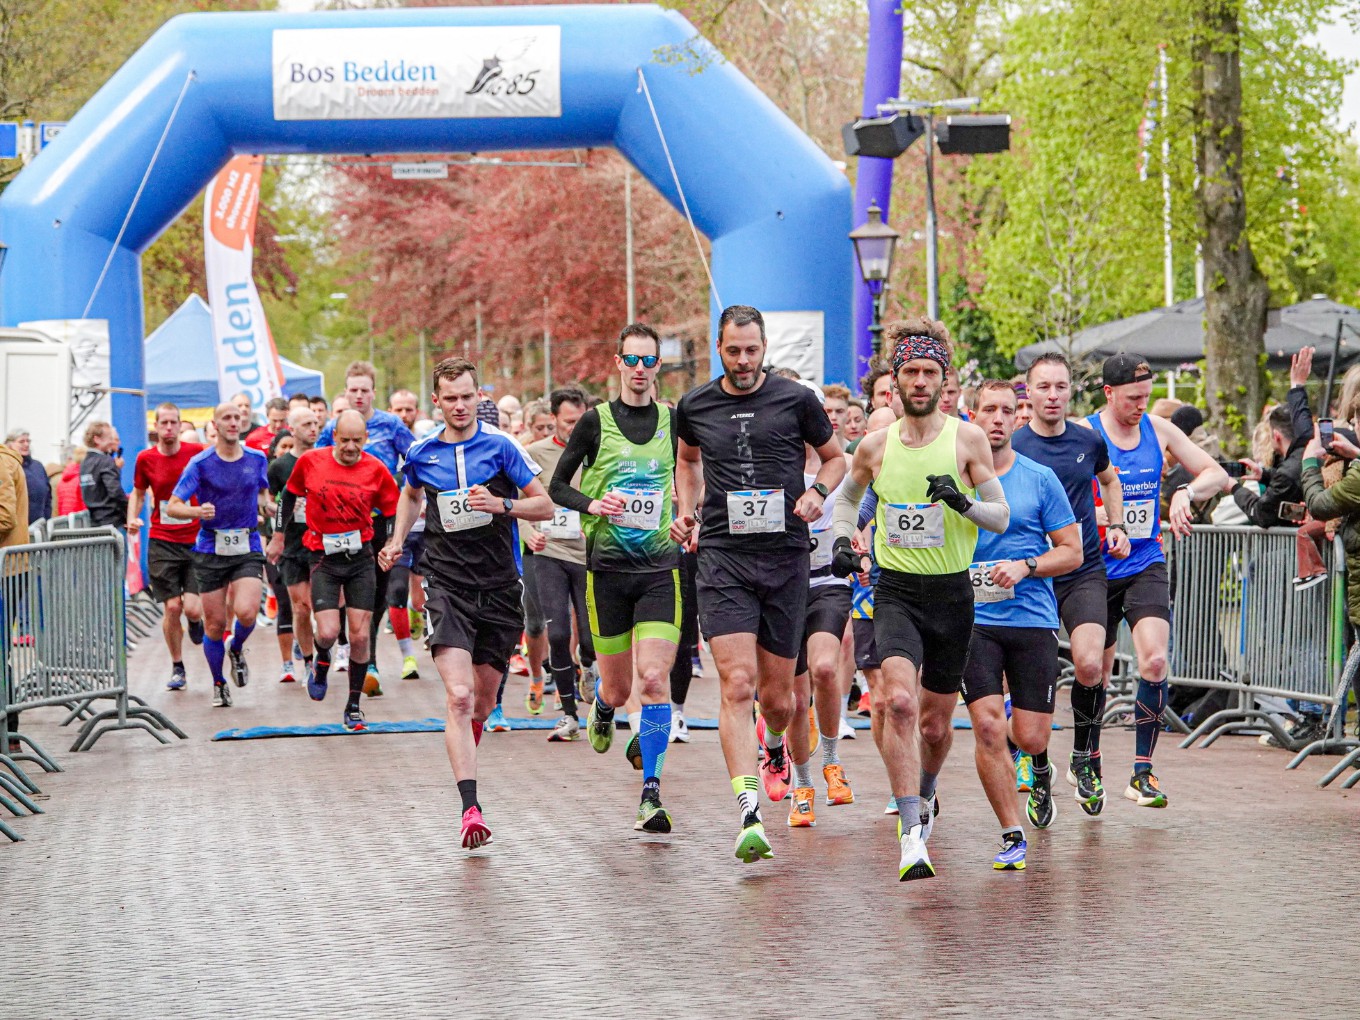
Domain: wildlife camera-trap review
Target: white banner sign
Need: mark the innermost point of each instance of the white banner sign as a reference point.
(796, 340)
(420, 171)
(390, 73)
(246, 358)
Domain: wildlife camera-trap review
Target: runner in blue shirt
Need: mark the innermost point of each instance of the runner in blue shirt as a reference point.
(389, 440)
(1078, 456)
(471, 473)
(231, 482)
(1139, 591)
(1015, 622)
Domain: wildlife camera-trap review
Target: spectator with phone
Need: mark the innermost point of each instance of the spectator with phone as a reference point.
(1291, 427)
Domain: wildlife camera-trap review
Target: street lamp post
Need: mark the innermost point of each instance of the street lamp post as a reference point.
(875, 243)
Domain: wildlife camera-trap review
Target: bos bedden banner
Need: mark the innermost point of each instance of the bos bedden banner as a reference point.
(246, 358)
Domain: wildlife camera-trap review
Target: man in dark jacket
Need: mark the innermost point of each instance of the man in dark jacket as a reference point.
(1282, 482)
(101, 485)
(39, 488)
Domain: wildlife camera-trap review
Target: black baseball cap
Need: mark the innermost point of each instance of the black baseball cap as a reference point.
(1120, 369)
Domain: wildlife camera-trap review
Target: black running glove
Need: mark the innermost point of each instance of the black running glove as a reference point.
(844, 562)
(943, 489)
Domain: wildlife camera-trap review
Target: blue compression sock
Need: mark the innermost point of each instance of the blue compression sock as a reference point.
(215, 651)
(653, 736)
(1147, 717)
(238, 638)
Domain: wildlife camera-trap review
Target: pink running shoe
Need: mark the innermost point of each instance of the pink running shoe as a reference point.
(476, 834)
(774, 766)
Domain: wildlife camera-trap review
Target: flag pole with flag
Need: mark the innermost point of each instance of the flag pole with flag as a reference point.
(247, 360)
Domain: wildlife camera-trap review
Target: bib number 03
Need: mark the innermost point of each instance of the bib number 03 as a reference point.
(1139, 517)
(755, 512)
(914, 525)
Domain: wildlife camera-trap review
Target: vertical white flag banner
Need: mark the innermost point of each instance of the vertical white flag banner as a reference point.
(246, 357)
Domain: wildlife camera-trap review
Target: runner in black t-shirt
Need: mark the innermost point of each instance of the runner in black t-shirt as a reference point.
(1077, 455)
(742, 440)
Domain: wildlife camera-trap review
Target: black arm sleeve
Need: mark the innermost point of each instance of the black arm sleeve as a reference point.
(1301, 415)
(582, 448)
(283, 511)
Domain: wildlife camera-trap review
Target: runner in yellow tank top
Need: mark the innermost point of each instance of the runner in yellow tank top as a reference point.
(926, 531)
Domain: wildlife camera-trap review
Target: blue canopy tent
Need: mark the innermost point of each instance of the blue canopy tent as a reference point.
(181, 367)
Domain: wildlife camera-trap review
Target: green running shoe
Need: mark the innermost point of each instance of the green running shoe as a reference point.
(652, 817)
(1090, 791)
(634, 752)
(1040, 807)
(599, 730)
(1144, 791)
(1024, 773)
(752, 843)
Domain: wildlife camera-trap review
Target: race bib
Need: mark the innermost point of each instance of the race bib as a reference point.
(755, 512)
(565, 524)
(170, 521)
(300, 510)
(641, 509)
(984, 590)
(456, 515)
(914, 525)
(821, 549)
(1139, 517)
(344, 542)
(231, 542)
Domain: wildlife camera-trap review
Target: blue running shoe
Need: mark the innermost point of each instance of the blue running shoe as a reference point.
(496, 721)
(316, 689)
(354, 720)
(1011, 856)
(177, 680)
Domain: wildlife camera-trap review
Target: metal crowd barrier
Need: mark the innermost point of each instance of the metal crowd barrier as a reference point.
(1238, 624)
(62, 614)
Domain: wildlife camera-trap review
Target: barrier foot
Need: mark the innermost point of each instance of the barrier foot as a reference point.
(80, 710)
(1174, 722)
(113, 719)
(38, 757)
(1243, 718)
(1351, 760)
(19, 774)
(10, 806)
(1351, 781)
(17, 792)
(1327, 745)
(7, 831)
(1208, 724)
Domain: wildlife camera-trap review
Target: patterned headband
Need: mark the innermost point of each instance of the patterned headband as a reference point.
(915, 346)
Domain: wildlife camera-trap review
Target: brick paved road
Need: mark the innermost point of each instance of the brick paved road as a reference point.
(321, 877)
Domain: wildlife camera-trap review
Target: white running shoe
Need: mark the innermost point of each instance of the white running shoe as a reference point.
(679, 729)
(915, 861)
(847, 732)
(928, 818)
(340, 659)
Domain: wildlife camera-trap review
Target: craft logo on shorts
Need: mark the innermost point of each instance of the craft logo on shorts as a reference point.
(406, 73)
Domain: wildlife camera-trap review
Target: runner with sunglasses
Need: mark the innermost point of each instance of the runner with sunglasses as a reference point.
(625, 451)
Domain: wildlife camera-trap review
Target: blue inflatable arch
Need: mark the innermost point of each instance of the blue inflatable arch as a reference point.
(775, 208)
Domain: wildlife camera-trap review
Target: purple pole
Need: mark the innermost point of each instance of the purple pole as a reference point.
(882, 79)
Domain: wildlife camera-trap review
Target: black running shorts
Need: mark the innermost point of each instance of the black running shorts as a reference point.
(866, 647)
(623, 605)
(355, 574)
(533, 621)
(1145, 594)
(827, 612)
(764, 594)
(928, 620)
(486, 624)
(1081, 599)
(295, 567)
(1027, 657)
(170, 569)
(214, 572)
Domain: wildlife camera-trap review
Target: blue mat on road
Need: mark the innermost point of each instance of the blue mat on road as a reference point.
(434, 725)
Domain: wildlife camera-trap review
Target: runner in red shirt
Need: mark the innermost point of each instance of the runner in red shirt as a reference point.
(276, 420)
(169, 562)
(343, 487)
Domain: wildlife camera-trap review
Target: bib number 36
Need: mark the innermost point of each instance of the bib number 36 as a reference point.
(455, 512)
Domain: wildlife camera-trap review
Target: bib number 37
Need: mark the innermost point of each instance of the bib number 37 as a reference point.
(755, 512)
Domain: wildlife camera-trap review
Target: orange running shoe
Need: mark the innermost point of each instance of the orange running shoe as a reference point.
(814, 734)
(837, 786)
(864, 710)
(801, 815)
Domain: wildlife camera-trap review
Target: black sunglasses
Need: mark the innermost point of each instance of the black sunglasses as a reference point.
(648, 360)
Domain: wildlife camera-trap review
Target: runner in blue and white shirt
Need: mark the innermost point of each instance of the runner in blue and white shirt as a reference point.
(477, 481)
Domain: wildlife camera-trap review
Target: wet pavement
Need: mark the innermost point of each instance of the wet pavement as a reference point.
(322, 877)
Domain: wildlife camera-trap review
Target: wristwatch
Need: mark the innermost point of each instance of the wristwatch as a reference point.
(820, 489)
(509, 504)
(1189, 492)
(1032, 564)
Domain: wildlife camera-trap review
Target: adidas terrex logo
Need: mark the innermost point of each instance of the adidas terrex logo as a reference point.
(744, 414)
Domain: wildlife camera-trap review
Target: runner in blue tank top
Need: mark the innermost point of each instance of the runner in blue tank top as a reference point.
(1138, 588)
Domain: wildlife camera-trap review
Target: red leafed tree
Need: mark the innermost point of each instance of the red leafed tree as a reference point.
(535, 246)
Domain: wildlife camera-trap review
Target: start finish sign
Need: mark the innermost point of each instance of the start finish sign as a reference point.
(389, 73)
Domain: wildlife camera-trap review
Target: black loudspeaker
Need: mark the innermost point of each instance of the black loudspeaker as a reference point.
(885, 137)
(973, 133)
